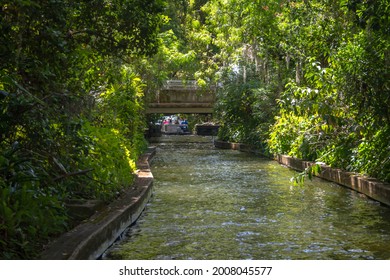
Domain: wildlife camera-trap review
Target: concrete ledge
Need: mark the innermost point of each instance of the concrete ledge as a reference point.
(238, 146)
(90, 239)
(371, 187)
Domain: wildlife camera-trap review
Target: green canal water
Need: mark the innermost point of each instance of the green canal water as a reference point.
(213, 204)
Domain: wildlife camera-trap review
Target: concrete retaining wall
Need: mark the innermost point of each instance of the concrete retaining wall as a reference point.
(90, 239)
(236, 146)
(371, 187)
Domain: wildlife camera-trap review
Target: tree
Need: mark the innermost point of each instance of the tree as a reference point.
(62, 63)
(324, 62)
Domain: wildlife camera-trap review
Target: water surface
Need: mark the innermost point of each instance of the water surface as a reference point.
(222, 204)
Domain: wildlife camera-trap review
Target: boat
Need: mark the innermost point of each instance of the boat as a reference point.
(172, 125)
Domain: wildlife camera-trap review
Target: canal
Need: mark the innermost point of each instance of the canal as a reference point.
(222, 204)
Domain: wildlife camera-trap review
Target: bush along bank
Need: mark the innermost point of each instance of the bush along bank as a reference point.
(92, 237)
(71, 103)
(47, 167)
(308, 80)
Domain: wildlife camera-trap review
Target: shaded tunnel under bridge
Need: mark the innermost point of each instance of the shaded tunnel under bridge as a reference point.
(182, 97)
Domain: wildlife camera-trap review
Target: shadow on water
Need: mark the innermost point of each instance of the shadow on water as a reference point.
(223, 204)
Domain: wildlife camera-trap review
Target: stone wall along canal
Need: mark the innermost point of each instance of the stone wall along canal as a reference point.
(224, 204)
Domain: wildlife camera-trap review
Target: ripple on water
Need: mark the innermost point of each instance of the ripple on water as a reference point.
(223, 204)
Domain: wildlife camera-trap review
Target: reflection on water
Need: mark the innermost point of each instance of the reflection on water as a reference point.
(222, 204)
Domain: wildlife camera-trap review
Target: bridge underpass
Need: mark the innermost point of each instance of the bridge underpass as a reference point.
(178, 97)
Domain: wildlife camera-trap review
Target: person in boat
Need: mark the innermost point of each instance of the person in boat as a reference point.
(184, 126)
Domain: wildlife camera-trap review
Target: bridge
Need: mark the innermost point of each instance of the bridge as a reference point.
(182, 97)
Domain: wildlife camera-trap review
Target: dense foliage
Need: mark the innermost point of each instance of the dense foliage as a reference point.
(304, 78)
(70, 122)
